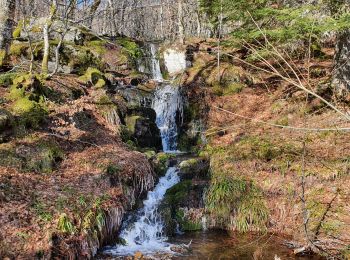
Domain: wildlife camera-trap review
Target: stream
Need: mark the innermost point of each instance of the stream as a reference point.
(143, 233)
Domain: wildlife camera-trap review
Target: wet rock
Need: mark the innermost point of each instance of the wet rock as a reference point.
(145, 112)
(181, 249)
(144, 131)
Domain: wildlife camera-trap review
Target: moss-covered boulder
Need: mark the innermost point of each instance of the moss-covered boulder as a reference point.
(195, 168)
(94, 77)
(161, 163)
(144, 131)
(33, 155)
(29, 113)
(181, 198)
(43, 158)
(145, 112)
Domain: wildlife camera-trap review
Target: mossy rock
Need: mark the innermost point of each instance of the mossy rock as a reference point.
(29, 113)
(94, 77)
(161, 163)
(194, 168)
(6, 79)
(83, 60)
(145, 112)
(178, 193)
(45, 159)
(132, 49)
(27, 85)
(229, 89)
(39, 156)
(144, 131)
(19, 49)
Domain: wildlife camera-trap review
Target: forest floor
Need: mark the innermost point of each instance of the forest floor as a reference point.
(250, 136)
(58, 178)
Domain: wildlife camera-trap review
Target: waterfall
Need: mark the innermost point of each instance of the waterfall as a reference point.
(146, 234)
(150, 64)
(168, 104)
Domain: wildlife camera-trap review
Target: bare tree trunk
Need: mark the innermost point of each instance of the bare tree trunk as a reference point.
(341, 72)
(92, 12)
(46, 31)
(113, 21)
(180, 22)
(7, 14)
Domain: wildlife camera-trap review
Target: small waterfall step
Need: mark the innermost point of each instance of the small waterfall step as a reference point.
(146, 234)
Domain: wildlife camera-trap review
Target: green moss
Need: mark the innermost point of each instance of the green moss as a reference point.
(98, 46)
(150, 154)
(131, 47)
(2, 57)
(18, 49)
(161, 163)
(100, 83)
(6, 79)
(229, 89)
(176, 194)
(38, 156)
(131, 123)
(23, 105)
(17, 31)
(95, 77)
(30, 114)
(81, 62)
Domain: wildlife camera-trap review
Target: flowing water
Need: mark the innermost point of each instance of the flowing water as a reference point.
(146, 233)
(168, 104)
(150, 63)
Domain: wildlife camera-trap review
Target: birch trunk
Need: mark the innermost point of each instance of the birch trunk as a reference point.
(46, 32)
(7, 14)
(180, 22)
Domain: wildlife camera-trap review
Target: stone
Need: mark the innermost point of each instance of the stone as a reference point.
(144, 131)
(145, 112)
(195, 168)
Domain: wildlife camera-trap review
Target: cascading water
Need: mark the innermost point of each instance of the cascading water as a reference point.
(150, 63)
(146, 234)
(168, 104)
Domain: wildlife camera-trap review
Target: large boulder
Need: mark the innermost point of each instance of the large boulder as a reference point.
(195, 168)
(341, 74)
(144, 131)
